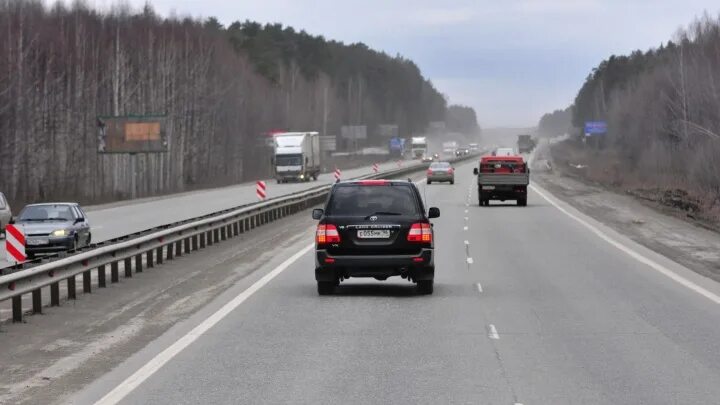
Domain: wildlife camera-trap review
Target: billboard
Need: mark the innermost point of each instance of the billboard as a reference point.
(353, 132)
(132, 134)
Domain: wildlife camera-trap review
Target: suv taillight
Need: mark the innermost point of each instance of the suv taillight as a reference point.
(451, 171)
(429, 172)
(327, 233)
(420, 232)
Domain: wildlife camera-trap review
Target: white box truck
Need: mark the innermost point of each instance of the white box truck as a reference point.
(418, 147)
(297, 156)
(449, 148)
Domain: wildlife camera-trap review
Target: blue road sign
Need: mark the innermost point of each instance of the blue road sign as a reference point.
(595, 128)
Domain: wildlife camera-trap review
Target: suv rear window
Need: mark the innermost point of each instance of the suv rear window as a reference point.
(363, 200)
(440, 165)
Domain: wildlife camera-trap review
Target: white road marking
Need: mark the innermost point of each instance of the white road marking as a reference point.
(467, 242)
(465, 228)
(470, 260)
(493, 333)
(466, 211)
(479, 287)
(635, 255)
(137, 378)
(466, 218)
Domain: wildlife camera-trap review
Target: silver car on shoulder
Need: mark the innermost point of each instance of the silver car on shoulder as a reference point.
(5, 213)
(440, 171)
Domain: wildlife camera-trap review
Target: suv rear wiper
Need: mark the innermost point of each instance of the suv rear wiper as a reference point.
(382, 213)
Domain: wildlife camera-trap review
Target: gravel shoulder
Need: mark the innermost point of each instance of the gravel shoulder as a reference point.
(668, 232)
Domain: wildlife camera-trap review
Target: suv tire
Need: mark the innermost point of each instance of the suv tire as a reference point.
(425, 287)
(326, 287)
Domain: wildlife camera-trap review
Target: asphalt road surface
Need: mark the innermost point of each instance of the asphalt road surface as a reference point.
(532, 305)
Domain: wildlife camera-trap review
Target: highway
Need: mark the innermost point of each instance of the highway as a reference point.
(532, 305)
(125, 217)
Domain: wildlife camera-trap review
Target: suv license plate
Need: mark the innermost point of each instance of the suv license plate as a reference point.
(488, 187)
(373, 234)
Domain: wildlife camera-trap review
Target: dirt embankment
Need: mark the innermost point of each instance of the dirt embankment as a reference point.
(666, 191)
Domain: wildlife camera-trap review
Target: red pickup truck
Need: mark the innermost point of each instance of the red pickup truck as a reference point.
(502, 178)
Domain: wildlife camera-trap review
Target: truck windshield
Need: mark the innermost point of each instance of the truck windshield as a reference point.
(361, 200)
(288, 160)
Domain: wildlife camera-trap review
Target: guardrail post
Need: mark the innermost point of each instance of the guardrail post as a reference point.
(150, 262)
(37, 301)
(128, 267)
(71, 288)
(138, 263)
(236, 228)
(223, 233)
(209, 237)
(187, 244)
(216, 235)
(55, 294)
(178, 248)
(202, 237)
(170, 253)
(114, 275)
(159, 258)
(17, 308)
(87, 278)
(101, 276)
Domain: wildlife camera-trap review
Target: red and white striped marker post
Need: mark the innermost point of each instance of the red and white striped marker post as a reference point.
(338, 174)
(376, 168)
(260, 188)
(15, 244)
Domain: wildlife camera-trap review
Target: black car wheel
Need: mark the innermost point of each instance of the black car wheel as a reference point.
(425, 287)
(452, 181)
(429, 182)
(326, 287)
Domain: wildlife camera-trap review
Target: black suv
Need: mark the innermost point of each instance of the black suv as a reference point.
(374, 228)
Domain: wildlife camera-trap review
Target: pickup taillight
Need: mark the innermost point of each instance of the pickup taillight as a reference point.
(420, 232)
(327, 233)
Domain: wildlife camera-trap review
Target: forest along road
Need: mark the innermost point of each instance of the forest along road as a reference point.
(113, 220)
(534, 305)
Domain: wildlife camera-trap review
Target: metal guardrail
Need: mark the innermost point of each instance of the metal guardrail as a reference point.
(154, 246)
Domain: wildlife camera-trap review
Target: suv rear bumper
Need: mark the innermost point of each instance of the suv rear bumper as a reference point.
(331, 268)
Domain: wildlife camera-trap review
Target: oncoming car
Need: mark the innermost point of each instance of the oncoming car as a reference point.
(440, 171)
(374, 228)
(53, 227)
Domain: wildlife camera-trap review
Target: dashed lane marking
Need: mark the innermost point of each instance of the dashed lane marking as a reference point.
(493, 333)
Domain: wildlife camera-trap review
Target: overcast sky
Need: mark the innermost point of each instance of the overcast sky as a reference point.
(512, 60)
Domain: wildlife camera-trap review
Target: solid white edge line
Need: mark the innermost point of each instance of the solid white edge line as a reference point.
(465, 228)
(493, 333)
(157, 362)
(635, 255)
(470, 260)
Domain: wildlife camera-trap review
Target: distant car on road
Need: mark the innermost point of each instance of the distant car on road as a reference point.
(504, 152)
(374, 228)
(5, 213)
(427, 159)
(440, 171)
(53, 227)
